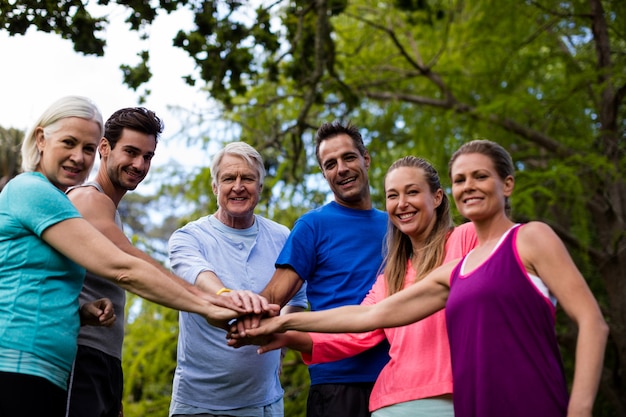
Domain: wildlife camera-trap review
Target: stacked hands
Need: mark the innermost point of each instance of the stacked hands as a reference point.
(257, 326)
(244, 305)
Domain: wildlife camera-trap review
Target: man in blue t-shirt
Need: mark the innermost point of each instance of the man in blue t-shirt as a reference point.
(337, 250)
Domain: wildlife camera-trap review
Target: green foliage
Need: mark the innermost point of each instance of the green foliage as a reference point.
(149, 357)
(10, 159)
(295, 381)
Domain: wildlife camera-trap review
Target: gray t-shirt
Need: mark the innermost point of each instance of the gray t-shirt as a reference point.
(106, 339)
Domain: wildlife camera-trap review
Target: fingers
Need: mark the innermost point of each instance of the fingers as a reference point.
(251, 302)
(98, 313)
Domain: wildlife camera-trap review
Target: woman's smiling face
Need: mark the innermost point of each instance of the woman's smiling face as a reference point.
(410, 203)
(68, 151)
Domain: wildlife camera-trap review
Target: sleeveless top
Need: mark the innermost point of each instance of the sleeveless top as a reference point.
(505, 356)
(106, 339)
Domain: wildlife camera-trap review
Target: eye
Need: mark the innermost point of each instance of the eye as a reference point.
(391, 196)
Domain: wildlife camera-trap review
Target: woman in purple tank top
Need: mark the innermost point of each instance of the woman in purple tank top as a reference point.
(500, 305)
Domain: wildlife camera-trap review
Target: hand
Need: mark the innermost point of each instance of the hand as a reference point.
(266, 327)
(237, 336)
(266, 343)
(97, 313)
(242, 301)
(237, 340)
(220, 316)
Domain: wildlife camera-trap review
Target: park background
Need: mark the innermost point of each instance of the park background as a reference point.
(545, 78)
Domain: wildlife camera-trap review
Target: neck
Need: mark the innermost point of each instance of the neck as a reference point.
(492, 229)
(244, 222)
(114, 193)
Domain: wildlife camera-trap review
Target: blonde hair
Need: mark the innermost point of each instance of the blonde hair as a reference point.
(69, 106)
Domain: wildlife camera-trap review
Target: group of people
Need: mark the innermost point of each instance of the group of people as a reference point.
(377, 340)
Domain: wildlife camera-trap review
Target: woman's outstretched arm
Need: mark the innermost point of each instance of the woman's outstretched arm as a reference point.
(404, 307)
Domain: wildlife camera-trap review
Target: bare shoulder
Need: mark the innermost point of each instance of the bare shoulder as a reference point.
(538, 245)
(90, 202)
(537, 234)
(84, 193)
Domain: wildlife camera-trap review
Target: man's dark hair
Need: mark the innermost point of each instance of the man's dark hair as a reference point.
(139, 119)
(331, 129)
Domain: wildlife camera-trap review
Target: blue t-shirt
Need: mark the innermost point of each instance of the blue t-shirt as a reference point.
(39, 286)
(337, 251)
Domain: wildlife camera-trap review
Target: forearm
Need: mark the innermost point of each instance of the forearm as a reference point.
(590, 349)
(299, 341)
(347, 319)
(149, 282)
(283, 286)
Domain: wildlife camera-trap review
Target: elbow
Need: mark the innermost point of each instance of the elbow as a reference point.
(124, 279)
(603, 329)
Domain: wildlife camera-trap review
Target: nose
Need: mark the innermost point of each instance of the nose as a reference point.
(341, 166)
(238, 184)
(77, 155)
(139, 163)
(468, 184)
(402, 200)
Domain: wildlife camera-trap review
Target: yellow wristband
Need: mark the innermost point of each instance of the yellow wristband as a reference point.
(223, 290)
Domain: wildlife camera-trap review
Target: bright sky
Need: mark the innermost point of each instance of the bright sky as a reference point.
(39, 68)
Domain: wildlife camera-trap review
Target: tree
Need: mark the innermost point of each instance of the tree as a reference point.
(545, 78)
(10, 140)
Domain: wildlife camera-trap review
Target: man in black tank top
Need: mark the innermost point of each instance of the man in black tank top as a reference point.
(126, 150)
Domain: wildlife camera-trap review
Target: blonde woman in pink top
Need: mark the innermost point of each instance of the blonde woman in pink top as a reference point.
(417, 380)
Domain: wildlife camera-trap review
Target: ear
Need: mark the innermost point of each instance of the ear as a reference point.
(438, 197)
(40, 140)
(509, 185)
(214, 188)
(368, 160)
(104, 147)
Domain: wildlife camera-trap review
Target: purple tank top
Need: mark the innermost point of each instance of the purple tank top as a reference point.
(505, 356)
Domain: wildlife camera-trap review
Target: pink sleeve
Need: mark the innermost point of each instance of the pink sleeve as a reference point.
(461, 241)
(328, 347)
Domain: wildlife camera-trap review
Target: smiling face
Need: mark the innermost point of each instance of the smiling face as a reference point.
(345, 169)
(68, 151)
(128, 163)
(478, 190)
(410, 203)
(238, 189)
